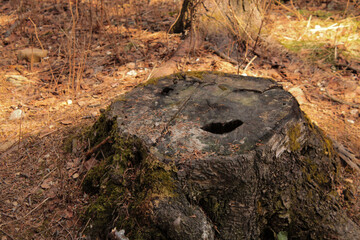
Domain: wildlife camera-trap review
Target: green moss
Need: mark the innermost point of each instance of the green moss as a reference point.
(68, 143)
(125, 185)
(99, 131)
(313, 173)
(318, 13)
(93, 178)
(313, 51)
(282, 235)
(326, 142)
(294, 133)
(76, 135)
(172, 13)
(151, 81)
(215, 208)
(121, 98)
(196, 74)
(181, 75)
(328, 146)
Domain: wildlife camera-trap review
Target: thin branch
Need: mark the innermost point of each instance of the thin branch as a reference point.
(250, 62)
(222, 55)
(91, 151)
(354, 105)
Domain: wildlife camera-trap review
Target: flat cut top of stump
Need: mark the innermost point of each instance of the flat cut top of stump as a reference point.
(205, 113)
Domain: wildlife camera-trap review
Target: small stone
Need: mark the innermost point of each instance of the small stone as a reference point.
(132, 73)
(17, 114)
(354, 112)
(350, 121)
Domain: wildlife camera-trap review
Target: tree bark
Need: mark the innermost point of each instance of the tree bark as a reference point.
(231, 26)
(182, 21)
(204, 155)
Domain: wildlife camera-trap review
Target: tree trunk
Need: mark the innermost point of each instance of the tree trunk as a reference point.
(183, 20)
(207, 155)
(231, 26)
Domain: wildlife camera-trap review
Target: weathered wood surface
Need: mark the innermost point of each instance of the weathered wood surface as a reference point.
(245, 162)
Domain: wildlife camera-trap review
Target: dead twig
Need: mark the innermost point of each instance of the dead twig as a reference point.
(82, 231)
(250, 62)
(222, 55)
(66, 230)
(31, 211)
(327, 94)
(36, 33)
(7, 234)
(350, 67)
(94, 149)
(294, 11)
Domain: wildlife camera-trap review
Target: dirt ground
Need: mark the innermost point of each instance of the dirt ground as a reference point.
(90, 63)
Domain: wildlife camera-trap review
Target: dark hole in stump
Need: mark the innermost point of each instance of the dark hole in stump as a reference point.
(166, 91)
(267, 234)
(221, 128)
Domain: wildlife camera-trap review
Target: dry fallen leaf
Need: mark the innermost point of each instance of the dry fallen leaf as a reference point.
(47, 183)
(68, 214)
(52, 193)
(90, 163)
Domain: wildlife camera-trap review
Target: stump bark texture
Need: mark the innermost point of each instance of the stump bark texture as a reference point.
(238, 160)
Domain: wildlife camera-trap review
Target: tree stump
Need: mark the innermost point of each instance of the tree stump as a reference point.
(206, 155)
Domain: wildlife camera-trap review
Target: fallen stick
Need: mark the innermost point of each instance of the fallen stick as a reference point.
(92, 150)
(354, 105)
(222, 55)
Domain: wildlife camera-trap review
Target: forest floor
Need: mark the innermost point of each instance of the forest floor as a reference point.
(98, 52)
